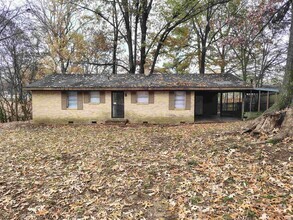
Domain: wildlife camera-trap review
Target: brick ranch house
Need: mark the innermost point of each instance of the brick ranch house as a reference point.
(158, 98)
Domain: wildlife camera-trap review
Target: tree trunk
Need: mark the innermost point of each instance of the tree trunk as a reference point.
(198, 51)
(159, 47)
(203, 58)
(204, 45)
(245, 56)
(115, 40)
(223, 60)
(286, 95)
(280, 115)
(286, 127)
(137, 11)
(143, 27)
(126, 16)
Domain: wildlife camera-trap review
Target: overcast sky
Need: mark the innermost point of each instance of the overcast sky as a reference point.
(14, 3)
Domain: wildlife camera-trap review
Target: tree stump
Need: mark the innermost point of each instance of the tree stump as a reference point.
(279, 122)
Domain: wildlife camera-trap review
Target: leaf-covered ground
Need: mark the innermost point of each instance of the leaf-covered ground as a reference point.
(202, 171)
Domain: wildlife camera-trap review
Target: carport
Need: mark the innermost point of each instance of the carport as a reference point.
(219, 105)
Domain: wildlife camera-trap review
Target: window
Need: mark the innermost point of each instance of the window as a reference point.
(95, 97)
(180, 100)
(72, 100)
(142, 97)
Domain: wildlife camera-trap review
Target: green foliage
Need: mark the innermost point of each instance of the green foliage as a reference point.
(227, 217)
(179, 156)
(227, 199)
(177, 9)
(192, 162)
(176, 50)
(250, 214)
(252, 115)
(273, 141)
(195, 200)
(230, 180)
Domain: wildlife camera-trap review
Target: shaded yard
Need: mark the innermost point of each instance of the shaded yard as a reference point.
(135, 172)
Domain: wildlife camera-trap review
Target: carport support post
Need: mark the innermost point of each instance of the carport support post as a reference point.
(243, 105)
(259, 93)
(233, 103)
(250, 101)
(221, 104)
(268, 99)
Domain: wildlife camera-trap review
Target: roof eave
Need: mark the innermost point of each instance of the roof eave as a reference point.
(138, 88)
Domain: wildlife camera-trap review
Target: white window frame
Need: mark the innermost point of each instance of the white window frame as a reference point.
(95, 100)
(72, 99)
(142, 97)
(180, 99)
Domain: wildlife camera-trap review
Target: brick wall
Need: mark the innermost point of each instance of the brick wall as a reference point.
(47, 109)
(159, 111)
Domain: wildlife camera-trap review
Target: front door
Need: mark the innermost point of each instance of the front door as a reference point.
(117, 104)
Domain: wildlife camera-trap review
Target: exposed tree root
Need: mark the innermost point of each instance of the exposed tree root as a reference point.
(279, 123)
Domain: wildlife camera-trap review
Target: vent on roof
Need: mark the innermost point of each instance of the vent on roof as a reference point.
(70, 122)
(94, 122)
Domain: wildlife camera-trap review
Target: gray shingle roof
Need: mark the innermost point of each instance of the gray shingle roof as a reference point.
(137, 81)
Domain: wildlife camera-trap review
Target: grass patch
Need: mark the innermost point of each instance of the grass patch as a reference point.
(192, 163)
(195, 200)
(227, 199)
(252, 115)
(250, 214)
(273, 141)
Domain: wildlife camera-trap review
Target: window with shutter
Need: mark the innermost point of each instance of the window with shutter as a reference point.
(95, 97)
(142, 97)
(72, 100)
(180, 99)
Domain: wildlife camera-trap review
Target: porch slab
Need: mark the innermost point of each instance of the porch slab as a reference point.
(215, 119)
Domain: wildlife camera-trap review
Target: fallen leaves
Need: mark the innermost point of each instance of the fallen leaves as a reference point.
(143, 172)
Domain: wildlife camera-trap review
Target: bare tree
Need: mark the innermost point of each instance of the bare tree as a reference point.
(59, 23)
(18, 64)
(7, 15)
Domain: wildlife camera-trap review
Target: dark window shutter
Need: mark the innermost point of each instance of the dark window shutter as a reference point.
(151, 97)
(79, 100)
(188, 100)
(171, 100)
(86, 97)
(63, 100)
(133, 97)
(102, 97)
